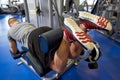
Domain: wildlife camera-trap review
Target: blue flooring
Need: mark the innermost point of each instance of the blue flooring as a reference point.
(109, 63)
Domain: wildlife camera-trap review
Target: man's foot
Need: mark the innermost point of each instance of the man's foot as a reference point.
(99, 22)
(78, 33)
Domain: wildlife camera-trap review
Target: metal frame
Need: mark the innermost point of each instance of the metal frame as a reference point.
(49, 14)
(70, 63)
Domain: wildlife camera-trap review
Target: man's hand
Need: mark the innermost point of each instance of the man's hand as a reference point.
(16, 55)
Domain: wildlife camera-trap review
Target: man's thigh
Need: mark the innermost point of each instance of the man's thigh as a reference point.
(61, 56)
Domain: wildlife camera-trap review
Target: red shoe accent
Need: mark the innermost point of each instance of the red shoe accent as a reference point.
(69, 36)
(102, 22)
(88, 25)
(84, 37)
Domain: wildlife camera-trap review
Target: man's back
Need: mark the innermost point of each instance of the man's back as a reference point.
(20, 32)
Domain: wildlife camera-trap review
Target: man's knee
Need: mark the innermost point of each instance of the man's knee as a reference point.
(75, 50)
(58, 64)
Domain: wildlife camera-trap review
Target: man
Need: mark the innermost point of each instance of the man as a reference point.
(22, 31)
(69, 45)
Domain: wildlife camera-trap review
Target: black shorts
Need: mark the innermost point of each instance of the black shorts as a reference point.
(34, 47)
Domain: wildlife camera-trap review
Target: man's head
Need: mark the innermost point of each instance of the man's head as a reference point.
(12, 21)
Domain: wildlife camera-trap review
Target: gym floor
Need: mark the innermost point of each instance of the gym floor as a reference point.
(109, 65)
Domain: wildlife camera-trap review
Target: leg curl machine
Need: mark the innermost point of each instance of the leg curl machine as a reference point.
(46, 43)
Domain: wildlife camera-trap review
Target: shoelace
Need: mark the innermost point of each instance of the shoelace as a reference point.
(83, 37)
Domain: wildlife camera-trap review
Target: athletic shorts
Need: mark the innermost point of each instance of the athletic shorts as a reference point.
(34, 47)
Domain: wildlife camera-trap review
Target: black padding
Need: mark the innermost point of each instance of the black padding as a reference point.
(50, 39)
(93, 65)
(15, 55)
(33, 44)
(36, 64)
(36, 58)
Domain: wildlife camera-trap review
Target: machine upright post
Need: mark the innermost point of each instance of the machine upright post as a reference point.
(26, 11)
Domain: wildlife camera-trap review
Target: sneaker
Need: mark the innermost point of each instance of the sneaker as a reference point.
(78, 33)
(99, 22)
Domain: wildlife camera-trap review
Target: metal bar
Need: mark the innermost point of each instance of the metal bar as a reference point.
(26, 11)
(50, 13)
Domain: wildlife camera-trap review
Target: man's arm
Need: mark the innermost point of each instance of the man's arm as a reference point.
(13, 46)
(14, 50)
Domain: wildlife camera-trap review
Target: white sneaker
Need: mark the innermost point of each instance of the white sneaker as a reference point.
(101, 22)
(79, 34)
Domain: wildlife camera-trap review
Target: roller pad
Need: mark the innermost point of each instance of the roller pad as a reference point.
(50, 39)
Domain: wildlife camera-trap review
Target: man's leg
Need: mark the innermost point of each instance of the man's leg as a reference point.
(75, 50)
(66, 50)
(60, 58)
(83, 38)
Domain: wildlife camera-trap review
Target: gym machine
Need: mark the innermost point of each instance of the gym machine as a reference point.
(46, 41)
(50, 13)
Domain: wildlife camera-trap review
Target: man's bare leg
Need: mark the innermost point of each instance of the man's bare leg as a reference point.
(65, 50)
(75, 49)
(61, 57)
